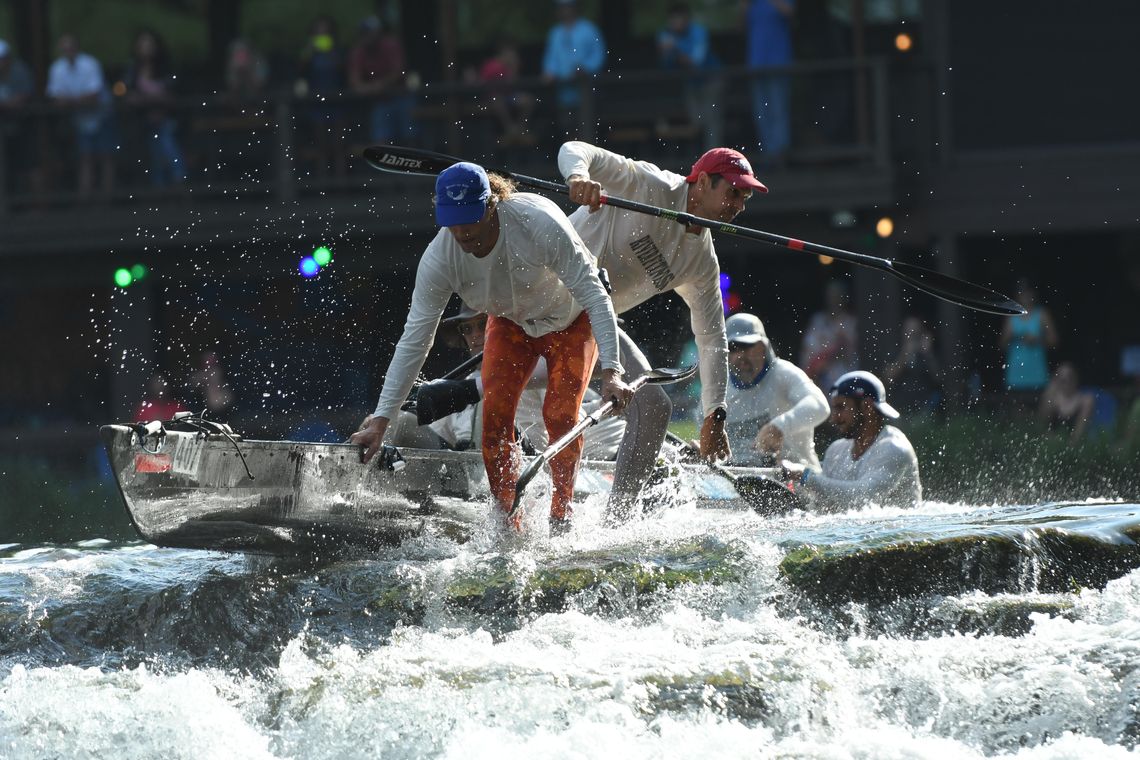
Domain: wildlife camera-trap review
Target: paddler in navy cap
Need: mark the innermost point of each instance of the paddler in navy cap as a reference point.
(872, 463)
(515, 257)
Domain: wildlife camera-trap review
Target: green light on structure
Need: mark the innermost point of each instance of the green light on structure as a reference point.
(138, 271)
(322, 256)
(123, 277)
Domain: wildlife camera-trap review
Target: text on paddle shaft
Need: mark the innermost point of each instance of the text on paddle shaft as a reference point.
(404, 162)
(654, 263)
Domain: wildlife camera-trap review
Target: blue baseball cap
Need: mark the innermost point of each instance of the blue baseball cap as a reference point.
(461, 193)
(861, 384)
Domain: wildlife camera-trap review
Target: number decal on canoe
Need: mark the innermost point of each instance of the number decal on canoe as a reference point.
(187, 454)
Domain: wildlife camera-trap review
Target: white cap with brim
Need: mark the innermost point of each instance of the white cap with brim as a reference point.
(862, 384)
(745, 329)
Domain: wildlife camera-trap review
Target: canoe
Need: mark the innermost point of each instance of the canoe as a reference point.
(196, 484)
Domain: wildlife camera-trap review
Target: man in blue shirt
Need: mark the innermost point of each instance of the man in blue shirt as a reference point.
(768, 23)
(574, 49)
(16, 87)
(683, 44)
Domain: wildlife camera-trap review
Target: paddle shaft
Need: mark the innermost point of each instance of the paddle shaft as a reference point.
(960, 292)
(655, 376)
(720, 469)
(536, 464)
(463, 369)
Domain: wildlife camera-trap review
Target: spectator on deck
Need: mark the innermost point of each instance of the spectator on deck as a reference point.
(574, 50)
(75, 81)
(376, 71)
(16, 88)
(773, 407)
(683, 44)
(247, 72)
(768, 26)
(323, 79)
(1026, 339)
(158, 403)
(1064, 405)
(150, 84)
(914, 376)
(511, 106)
(829, 347)
(872, 463)
(16, 84)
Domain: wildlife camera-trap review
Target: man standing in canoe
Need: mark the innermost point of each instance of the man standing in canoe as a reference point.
(645, 255)
(516, 257)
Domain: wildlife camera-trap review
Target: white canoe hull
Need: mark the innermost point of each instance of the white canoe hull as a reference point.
(192, 489)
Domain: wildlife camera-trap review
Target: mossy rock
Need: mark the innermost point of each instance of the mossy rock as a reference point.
(627, 572)
(1051, 561)
(1004, 615)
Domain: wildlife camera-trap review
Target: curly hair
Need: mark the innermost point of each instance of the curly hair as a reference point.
(501, 187)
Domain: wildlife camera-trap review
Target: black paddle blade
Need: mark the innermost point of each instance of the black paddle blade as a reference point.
(440, 398)
(525, 477)
(393, 158)
(767, 497)
(954, 290)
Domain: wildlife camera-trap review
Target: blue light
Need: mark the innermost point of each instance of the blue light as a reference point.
(725, 282)
(309, 267)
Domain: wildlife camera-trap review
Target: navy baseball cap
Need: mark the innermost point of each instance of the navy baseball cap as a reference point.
(860, 384)
(461, 193)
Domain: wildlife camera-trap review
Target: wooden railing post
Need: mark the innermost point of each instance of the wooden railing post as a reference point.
(286, 148)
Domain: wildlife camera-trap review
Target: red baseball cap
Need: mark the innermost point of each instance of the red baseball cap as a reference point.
(730, 164)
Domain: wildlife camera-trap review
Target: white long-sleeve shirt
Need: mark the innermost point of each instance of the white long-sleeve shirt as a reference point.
(539, 275)
(785, 397)
(645, 255)
(886, 474)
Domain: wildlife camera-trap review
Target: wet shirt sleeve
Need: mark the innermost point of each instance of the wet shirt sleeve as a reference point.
(809, 405)
(617, 174)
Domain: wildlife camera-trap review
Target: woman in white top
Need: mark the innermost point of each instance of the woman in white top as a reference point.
(515, 257)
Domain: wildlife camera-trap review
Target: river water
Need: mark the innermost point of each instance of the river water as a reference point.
(676, 637)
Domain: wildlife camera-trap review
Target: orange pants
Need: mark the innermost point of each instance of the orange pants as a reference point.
(509, 359)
